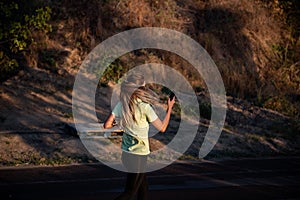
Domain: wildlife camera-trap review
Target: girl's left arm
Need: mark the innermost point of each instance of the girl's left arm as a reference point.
(109, 122)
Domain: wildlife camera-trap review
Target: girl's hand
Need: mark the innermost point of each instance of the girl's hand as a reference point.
(109, 122)
(162, 125)
(171, 103)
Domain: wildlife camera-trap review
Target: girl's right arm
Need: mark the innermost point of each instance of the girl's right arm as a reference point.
(162, 125)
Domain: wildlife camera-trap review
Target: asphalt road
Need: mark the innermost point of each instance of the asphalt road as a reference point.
(271, 178)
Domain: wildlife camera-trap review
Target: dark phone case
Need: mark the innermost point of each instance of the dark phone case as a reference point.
(172, 95)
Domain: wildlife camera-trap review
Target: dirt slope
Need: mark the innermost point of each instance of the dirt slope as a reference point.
(37, 103)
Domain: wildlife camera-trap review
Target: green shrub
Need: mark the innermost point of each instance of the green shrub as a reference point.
(282, 105)
(205, 110)
(113, 73)
(19, 20)
(8, 66)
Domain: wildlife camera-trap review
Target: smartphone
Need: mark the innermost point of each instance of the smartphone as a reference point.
(171, 95)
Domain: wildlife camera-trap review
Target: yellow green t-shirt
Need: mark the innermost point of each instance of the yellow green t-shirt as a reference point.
(137, 132)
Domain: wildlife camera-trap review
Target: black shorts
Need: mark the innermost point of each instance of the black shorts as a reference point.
(134, 163)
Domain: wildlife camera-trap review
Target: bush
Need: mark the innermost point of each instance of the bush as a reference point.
(282, 105)
(19, 19)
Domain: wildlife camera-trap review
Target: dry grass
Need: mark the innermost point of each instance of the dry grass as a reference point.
(240, 35)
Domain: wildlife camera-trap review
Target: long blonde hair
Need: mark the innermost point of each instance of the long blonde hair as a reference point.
(133, 88)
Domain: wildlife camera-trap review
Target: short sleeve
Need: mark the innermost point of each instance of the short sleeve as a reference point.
(150, 113)
(117, 110)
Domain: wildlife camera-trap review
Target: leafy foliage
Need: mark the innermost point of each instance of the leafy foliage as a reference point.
(19, 20)
(113, 73)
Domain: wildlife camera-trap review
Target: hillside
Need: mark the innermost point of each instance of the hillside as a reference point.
(248, 41)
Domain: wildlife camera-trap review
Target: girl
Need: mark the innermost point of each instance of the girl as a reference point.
(135, 112)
